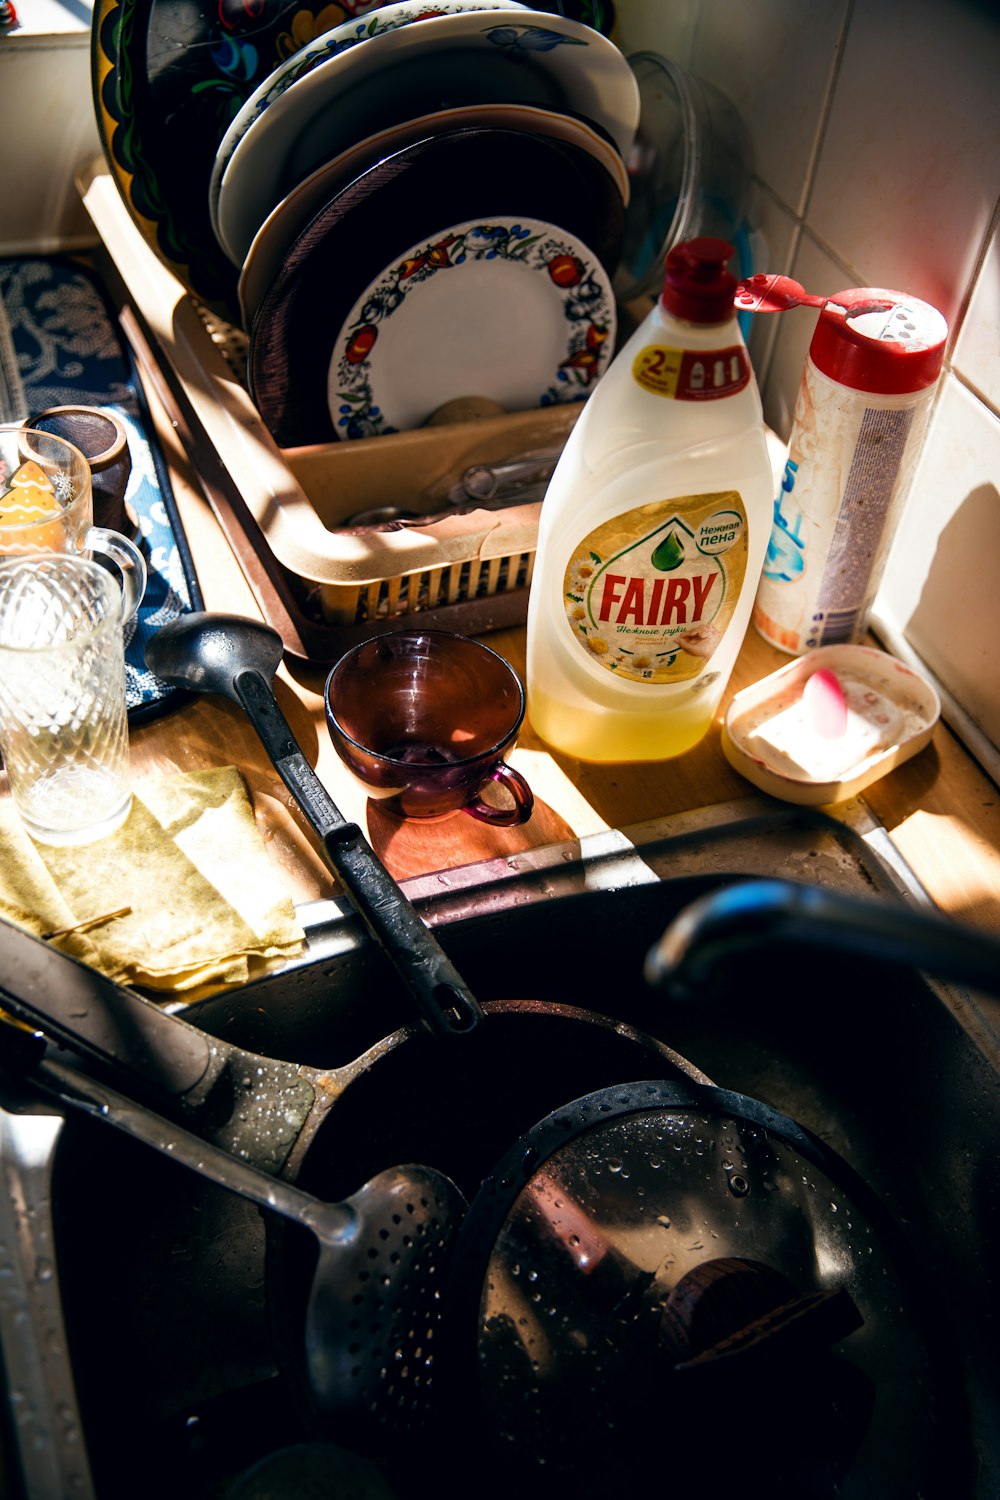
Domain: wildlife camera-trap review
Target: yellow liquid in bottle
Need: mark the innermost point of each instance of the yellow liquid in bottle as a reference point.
(589, 734)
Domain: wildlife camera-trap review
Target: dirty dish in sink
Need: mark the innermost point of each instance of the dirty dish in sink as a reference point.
(167, 77)
(683, 1240)
(293, 214)
(446, 61)
(413, 199)
(159, 1354)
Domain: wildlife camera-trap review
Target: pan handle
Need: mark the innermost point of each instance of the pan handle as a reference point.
(755, 913)
(446, 1002)
(227, 1091)
(86, 1012)
(69, 1088)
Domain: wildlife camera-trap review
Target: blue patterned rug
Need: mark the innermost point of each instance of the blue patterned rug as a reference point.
(60, 346)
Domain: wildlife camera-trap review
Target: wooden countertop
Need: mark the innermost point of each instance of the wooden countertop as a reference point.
(941, 810)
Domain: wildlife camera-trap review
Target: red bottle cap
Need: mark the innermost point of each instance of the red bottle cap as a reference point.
(885, 342)
(698, 285)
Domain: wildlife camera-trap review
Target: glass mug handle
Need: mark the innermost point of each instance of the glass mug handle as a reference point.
(127, 559)
(505, 817)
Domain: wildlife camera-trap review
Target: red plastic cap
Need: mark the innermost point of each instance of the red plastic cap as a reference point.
(885, 342)
(698, 285)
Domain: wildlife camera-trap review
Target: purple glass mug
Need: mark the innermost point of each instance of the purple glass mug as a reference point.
(424, 719)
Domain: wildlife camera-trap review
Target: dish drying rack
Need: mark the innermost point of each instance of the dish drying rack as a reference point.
(320, 581)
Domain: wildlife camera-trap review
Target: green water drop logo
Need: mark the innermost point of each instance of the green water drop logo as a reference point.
(669, 554)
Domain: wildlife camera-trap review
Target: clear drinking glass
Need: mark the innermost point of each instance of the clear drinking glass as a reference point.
(63, 719)
(46, 505)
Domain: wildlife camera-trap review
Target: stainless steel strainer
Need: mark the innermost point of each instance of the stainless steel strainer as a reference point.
(375, 1299)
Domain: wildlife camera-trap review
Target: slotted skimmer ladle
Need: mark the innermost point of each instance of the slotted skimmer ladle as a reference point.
(237, 658)
(374, 1302)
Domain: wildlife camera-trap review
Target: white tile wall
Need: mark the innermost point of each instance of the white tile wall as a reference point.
(776, 60)
(977, 349)
(948, 594)
(876, 133)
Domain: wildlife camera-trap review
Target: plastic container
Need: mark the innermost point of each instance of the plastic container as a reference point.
(859, 424)
(653, 531)
(771, 737)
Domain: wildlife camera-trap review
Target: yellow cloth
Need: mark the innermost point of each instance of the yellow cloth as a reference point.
(203, 894)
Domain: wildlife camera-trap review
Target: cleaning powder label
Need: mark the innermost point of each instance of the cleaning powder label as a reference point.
(649, 594)
(691, 375)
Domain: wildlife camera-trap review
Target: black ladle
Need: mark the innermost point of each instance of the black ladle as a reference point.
(237, 658)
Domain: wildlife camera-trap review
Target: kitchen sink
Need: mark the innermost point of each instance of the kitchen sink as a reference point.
(135, 1317)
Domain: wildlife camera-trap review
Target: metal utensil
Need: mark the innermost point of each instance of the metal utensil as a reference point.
(507, 480)
(237, 658)
(383, 1253)
(274, 1115)
(617, 1212)
(751, 914)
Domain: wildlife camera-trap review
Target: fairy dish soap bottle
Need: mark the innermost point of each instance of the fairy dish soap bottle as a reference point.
(653, 531)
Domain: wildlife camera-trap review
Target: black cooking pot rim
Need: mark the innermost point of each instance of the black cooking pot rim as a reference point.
(493, 1205)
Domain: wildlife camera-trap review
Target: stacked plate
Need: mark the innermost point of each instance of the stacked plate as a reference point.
(424, 203)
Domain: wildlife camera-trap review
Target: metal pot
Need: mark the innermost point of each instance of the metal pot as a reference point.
(667, 1278)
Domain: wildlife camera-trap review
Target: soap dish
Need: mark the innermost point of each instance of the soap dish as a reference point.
(771, 737)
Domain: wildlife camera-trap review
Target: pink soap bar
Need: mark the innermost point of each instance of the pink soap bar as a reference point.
(824, 703)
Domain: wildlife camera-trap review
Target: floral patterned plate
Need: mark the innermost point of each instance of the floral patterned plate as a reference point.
(511, 309)
(283, 225)
(597, 13)
(168, 77)
(320, 103)
(403, 211)
(362, 27)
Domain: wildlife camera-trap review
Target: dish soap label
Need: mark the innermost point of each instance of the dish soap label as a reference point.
(691, 375)
(650, 593)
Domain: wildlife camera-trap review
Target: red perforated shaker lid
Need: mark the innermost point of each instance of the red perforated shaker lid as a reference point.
(698, 285)
(872, 339)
